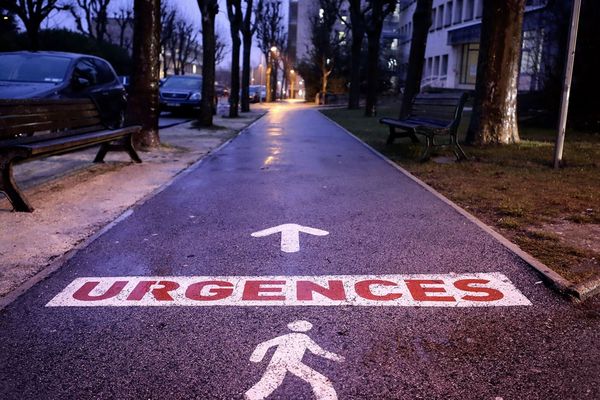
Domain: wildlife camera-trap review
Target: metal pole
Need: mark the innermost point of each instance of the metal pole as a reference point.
(564, 106)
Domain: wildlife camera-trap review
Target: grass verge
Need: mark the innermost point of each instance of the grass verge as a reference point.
(553, 215)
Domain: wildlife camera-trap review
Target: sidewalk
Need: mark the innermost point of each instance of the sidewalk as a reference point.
(74, 198)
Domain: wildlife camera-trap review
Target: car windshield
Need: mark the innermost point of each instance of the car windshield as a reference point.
(37, 68)
(181, 83)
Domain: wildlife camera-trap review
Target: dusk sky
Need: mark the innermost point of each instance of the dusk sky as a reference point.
(189, 8)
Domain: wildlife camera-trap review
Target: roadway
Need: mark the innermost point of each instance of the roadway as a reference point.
(385, 293)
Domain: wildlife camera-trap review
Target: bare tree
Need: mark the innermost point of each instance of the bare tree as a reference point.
(168, 15)
(95, 15)
(32, 13)
(124, 20)
(181, 44)
(248, 30)
(416, 58)
(209, 10)
(494, 117)
(379, 10)
(235, 14)
(188, 46)
(358, 29)
(324, 42)
(269, 31)
(220, 49)
(143, 107)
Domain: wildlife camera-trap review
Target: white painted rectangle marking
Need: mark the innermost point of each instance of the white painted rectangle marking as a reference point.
(418, 290)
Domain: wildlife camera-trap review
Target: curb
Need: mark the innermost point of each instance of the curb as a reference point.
(58, 262)
(576, 292)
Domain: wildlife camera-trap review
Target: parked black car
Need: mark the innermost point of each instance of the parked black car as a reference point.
(257, 93)
(181, 93)
(54, 75)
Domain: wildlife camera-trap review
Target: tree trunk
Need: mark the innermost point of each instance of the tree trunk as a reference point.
(416, 58)
(356, 52)
(247, 33)
(372, 70)
(143, 106)
(494, 117)
(33, 34)
(273, 77)
(234, 94)
(246, 72)
(209, 9)
(358, 35)
(268, 74)
(234, 13)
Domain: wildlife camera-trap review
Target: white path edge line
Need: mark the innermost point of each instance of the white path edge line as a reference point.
(560, 283)
(61, 260)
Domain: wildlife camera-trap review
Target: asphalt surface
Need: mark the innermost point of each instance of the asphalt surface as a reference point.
(294, 166)
(168, 119)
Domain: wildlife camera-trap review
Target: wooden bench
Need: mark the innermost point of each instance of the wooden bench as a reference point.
(431, 115)
(36, 128)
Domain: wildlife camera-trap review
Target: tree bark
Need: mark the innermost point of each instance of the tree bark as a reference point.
(33, 34)
(143, 106)
(416, 58)
(374, 25)
(234, 12)
(268, 81)
(247, 33)
(494, 117)
(208, 9)
(246, 73)
(372, 70)
(358, 35)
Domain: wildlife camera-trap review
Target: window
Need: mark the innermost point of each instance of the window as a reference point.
(440, 17)
(478, 8)
(469, 8)
(429, 66)
(86, 69)
(105, 73)
(448, 18)
(436, 65)
(433, 19)
(458, 6)
(468, 63)
(444, 70)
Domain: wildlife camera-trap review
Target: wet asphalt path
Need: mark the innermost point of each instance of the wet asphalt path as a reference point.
(294, 166)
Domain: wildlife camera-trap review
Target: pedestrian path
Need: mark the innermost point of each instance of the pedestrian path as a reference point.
(296, 264)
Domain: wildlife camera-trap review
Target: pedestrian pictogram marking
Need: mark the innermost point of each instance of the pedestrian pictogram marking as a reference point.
(289, 351)
(290, 235)
(423, 290)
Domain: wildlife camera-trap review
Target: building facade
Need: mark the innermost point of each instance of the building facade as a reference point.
(453, 44)
(299, 31)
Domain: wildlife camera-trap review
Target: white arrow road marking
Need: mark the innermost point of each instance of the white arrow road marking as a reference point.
(290, 235)
(289, 351)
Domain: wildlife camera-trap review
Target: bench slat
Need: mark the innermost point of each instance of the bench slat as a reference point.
(73, 142)
(45, 108)
(52, 125)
